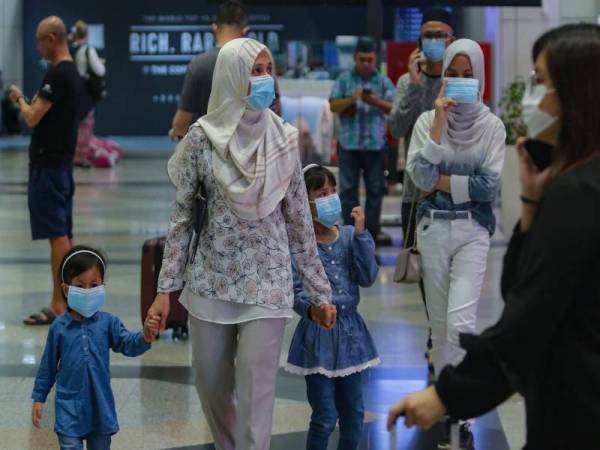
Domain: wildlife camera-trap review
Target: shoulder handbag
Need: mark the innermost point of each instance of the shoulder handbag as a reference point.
(408, 264)
(199, 212)
(199, 207)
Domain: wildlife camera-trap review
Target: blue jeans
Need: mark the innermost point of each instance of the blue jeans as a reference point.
(93, 441)
(372, 166)
(329, 399)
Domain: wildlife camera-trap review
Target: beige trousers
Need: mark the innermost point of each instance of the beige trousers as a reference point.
(236, 371)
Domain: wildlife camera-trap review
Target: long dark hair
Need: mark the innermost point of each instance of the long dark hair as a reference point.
(573, 61)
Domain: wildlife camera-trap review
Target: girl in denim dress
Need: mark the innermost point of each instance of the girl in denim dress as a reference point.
(332, 360)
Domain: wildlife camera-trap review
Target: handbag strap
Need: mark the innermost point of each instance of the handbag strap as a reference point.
(411, 219)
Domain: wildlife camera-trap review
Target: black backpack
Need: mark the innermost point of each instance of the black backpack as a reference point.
(96, 85)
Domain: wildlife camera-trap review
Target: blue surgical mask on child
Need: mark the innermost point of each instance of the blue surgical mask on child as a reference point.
(86, 302)
(434, 49)
(463, 90)
(329, 210)
(262, 92)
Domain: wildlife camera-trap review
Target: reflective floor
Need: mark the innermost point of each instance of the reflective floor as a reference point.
(117, 210)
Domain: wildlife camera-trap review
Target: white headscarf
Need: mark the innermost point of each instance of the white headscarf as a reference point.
(467, 122)
(256, 151)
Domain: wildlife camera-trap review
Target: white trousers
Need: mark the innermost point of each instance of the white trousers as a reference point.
(236, 370)
(454, 257)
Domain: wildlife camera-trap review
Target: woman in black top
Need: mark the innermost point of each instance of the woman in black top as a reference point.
(546, 345)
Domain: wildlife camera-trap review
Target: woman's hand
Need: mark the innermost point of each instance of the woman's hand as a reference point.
(160, 307)
(324, 315)
(36, 413)
(533, 183)
(443, 105)
(422, 408)
(151, 326)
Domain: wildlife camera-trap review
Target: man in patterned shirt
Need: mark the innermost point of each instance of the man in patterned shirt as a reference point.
(362, 97)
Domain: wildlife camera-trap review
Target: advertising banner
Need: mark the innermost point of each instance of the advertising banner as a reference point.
(148, 44)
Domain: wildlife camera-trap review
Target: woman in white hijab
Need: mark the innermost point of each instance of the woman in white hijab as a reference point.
(238, 286)
(456, 158)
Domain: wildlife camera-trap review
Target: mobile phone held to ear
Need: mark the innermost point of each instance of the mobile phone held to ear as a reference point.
(540, 152)
(420, 46)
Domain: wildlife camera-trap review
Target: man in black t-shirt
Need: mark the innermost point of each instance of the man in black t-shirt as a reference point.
(54, 116)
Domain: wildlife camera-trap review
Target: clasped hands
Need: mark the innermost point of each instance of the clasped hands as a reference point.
(324, 315)
(151, 328)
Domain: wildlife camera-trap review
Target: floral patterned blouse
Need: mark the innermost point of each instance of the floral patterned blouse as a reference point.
(237, 260)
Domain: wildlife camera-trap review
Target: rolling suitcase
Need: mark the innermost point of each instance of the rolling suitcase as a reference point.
(152, 255)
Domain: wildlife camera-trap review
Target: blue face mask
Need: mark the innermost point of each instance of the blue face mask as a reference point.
(262, 92)
(86, 301)
(463, 90)
(329, 210)
(434, 49)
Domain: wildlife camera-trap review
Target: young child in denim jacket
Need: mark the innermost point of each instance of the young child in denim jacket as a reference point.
(76, 356)
(333, 360)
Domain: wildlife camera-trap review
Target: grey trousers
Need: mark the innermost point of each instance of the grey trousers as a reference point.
(236, 370)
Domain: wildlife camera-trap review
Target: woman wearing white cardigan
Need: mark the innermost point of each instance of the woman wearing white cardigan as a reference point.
(456, 158)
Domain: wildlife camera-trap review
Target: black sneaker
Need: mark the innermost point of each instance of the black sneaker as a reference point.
(466, 437)
(444, 442)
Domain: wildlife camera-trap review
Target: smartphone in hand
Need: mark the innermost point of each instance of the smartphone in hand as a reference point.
(541, 153)
(420, 46)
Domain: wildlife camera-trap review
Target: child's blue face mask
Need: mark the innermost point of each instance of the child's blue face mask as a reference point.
(262, 92)
(463, 90)
(86, 302)
(434, 49)
(329, 210)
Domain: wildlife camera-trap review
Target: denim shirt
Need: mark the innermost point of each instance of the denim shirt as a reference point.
(349, 263)
(77, 358)
(348, 347)
(475, 170)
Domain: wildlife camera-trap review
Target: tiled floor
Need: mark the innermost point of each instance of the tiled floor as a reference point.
(158, 408)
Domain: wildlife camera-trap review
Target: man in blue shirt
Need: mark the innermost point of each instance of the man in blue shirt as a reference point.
(362, 97)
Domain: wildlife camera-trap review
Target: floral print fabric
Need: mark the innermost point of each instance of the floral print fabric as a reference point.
(237, 260)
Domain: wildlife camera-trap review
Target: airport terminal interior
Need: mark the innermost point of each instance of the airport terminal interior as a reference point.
(124, 198)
